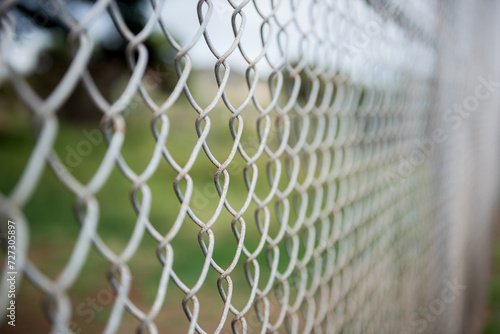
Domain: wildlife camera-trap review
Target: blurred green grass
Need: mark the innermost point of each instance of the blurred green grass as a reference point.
(54, 228)
(493, 325)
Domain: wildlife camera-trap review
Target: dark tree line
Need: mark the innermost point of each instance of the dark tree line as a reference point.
(108, 65)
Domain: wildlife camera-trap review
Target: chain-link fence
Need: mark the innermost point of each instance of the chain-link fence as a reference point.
(247, 166)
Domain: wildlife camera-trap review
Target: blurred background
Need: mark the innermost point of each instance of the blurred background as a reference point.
(43, 50)
(42, 55)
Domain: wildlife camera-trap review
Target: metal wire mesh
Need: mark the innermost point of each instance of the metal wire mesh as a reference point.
(363, 194)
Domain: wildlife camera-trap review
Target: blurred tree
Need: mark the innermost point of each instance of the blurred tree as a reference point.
(108, 65)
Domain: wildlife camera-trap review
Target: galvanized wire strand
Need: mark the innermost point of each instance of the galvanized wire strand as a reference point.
(337, 232)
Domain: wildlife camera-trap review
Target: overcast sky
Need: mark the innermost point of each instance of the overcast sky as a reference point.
(182, 21)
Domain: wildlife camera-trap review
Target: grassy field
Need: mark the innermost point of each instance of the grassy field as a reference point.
(54, 228)
(493, 325)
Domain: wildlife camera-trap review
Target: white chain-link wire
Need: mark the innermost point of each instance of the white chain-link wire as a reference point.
(369, 211)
